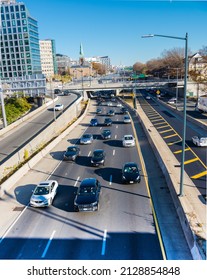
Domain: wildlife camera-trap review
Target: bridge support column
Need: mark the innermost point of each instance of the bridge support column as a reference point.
(84, 94)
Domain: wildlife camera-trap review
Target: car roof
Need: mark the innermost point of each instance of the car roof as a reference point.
(98, 150)
(45, 183)
(130, 164)
(88, 181)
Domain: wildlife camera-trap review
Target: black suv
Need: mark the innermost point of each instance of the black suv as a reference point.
(108, 122)
(87, 197)
(130, 173)
(98, 157)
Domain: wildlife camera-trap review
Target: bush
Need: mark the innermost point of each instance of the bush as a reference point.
(15, 108)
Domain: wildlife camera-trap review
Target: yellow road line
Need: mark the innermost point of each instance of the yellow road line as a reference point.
(180, 151)
(163, 131)
(162, 126)
(191, 160)
(169, 136)
(199, 175)
(172, 143)
(161, 122)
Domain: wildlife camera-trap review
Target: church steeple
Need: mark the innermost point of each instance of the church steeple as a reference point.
(81, 55)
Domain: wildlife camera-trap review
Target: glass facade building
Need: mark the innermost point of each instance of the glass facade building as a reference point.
(19, 41)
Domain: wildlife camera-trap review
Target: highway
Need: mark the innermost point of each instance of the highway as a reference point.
(14, 140)
(123, 228)
(169, 124)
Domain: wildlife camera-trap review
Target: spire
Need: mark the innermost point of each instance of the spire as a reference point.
(81, 58)
(81, 50)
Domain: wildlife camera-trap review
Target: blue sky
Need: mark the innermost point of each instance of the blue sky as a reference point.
(115, 27)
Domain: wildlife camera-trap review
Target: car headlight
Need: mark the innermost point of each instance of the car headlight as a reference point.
(94, 203)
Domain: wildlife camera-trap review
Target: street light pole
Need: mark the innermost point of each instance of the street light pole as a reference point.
(184, 103)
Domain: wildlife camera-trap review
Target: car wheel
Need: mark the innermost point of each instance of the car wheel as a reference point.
(76, 209)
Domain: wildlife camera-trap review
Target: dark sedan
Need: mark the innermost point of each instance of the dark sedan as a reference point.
(71, 153)
(106, 134)
(94, 122)
(108, 121)
(130, 173)
(87, 197)
(98, 157)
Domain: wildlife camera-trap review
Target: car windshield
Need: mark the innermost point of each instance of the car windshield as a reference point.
(71, 149)
(41, 190)
(98, 154)
(87, 190)
(128, 138)
(86, 136)
(130, 169)
(106, 132)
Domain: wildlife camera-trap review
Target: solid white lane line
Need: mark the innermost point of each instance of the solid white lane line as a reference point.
(48, 244)
(76, 182)
(110, 180)
(104, 243)
(115, 136)
(113, 152)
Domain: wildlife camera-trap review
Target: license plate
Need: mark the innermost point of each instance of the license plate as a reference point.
(131, 182)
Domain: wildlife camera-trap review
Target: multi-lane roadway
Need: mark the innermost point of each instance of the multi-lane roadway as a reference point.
(125, 227)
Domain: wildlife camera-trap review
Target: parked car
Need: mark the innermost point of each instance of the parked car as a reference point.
(94, 122)
(59, 107)
(106, 134)
(148, 97)
(199, 141)
(98, 157)
(86, 138)
(119, 105)
(108, 121)
(71, 153)
(44, 193)
(87, 197)
(127, 119)
(130, 173)
(128, 141)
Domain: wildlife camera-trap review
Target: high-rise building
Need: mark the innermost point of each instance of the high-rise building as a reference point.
(19, 41)
(48, 57)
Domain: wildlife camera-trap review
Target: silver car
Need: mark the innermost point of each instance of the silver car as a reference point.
(86, 139)
(128, 141)
(44, 193)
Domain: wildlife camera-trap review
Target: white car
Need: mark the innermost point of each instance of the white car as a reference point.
(148, 97)
(44, 193)
(172, 101)
(199, 141)
(127, 119)
(58, 107)
(128, 141)
(119, 105)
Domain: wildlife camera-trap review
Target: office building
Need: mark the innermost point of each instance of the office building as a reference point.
(48, 58)
(20, 52)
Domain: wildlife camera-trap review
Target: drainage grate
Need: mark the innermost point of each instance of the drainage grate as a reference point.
(18, 208)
